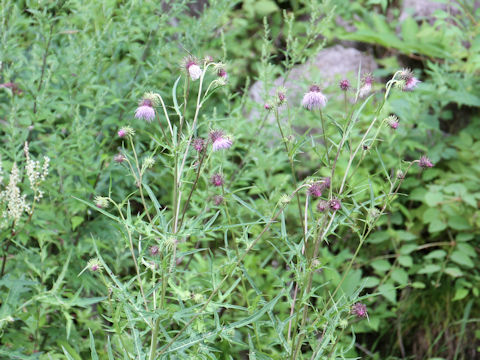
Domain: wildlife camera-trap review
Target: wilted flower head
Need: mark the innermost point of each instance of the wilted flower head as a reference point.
(359, 310)
(217, 200)
(101, 202)
(154, 250)
(425, 162)
(314, 99)
(217, 180)
(198, 144)
(344, 85)
(392, 121)
(367, 82)
(192, 68)
(219, 140)
(126, 130)
(222, 73)
(322, 205)
(119, 158)
(335, 204)
(94, 265)
(145, 110)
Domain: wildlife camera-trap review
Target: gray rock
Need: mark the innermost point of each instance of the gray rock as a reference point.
(423, 9)
(328, 67)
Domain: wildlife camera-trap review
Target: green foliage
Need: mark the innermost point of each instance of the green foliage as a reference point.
(224, 281)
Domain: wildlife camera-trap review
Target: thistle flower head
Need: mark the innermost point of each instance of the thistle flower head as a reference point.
(315, 189)
(119, 158)
(281, 96)
(220, 140)
(392, 121)
(94, 265)
(267, 106)
(126, 131)
(408, 81)
(314, 99)
(400, 175)
(217, 180)
(335, 204)
(359, 310)
(148, 162)
(217, 200)
(411, 84)
(101, 202)
(198, 144)
(221, 72)
(425, 162)
(170, 243)
(192, 68)
(322, 205)
(154, 250)
(145, 110)
(345, 85)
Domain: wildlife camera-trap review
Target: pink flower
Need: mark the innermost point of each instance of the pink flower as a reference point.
(314, 99)
(367, 86)
(425, 162)
(193, 70)
(315, 189)
(222, 73)
(392, 121)
(217, 180)
(335, 204)
(219, 140)
(344, 85)
(411, 84)
(121, 133)
(217, 200)
(359, 310)
(198, 144)
(154, 250)
(322, 205)
(145, 111)
(119, 158)
(267, 106)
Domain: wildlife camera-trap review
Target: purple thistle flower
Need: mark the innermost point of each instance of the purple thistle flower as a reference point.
(392, 121)
(367, 85)
(359, 310)
(121, 133)
(222, 73)
(217, 200)
(326, 182)
(154, 250)
(145, 111)
(314, 99)
(119, 158)
(344, 85)
(425, 162)
(281, 97)
(198, 144)
(315, 189)
(335, 204)
(217, 180)
(411, 84)
(267, 106)
(219, 140)
(322, 205)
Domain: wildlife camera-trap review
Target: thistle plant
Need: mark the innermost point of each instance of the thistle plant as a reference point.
(166, 317)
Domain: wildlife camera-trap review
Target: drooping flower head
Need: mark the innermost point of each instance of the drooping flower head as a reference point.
(408, 81)
(101, 202)
(198, 144)
(392, 121)
(425, 162)
(335, 204)
(345, 85)
(190, 64)
(367, 82)
(217, 200)
(145, 110)
(314, 99)
(119, 158)
(222, 73)
(217, 180)
(126, 131)
(359, 310)
(219, 140)
(154, 250)
(322, 205)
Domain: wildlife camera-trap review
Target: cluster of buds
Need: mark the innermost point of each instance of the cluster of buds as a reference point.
(36, 172)
(16, 202)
